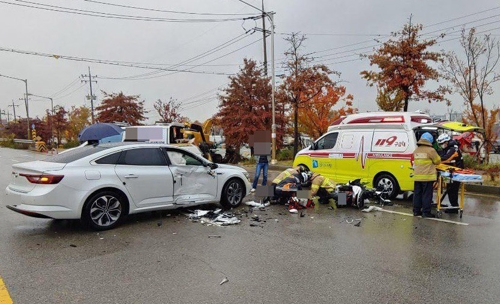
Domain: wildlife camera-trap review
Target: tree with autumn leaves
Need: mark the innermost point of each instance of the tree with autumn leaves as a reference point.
(310, 94)
(404, 68)
(472, 76)
(118, 107)
(169, 111)
(245, 107)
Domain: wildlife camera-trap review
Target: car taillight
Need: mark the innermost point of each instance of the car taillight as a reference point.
(43, 178)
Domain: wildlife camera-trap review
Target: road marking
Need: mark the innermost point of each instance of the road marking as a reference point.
(4, 294)
(427, 218)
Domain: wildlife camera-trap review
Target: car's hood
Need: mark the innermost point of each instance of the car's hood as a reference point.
(230, 167)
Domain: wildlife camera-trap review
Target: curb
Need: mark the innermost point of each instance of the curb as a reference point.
(481, 189)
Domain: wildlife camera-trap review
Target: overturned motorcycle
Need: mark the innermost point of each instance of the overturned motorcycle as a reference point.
(354, 194)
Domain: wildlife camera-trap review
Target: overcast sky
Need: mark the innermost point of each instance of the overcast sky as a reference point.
(337, 31)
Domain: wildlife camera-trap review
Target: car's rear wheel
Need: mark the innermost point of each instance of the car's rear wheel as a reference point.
(233, 193)
(104, 210)
(388, 184)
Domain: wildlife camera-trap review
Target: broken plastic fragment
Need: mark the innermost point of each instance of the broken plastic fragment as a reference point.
(258, 205)
(225, 280)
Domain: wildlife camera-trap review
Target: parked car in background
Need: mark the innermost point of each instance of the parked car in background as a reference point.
(496, 146)
(101, 184)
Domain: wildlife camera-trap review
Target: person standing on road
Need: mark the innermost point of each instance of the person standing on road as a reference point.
(451, 155)
(425, 161)
(262, 164)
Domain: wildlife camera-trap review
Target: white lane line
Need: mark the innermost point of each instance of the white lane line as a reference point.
(427, 218)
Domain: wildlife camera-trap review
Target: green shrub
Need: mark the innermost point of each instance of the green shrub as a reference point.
(248, 162)
(470, 162)
(8, 141)
(285, 154)
(71, 144)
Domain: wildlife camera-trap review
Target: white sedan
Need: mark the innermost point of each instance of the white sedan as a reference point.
(102, 184)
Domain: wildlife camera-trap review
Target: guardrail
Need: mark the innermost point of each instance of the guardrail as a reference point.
(20, 141)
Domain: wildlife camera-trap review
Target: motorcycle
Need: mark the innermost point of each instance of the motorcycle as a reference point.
(357, 193)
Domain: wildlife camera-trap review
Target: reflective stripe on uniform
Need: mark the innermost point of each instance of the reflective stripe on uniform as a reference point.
(425, 177)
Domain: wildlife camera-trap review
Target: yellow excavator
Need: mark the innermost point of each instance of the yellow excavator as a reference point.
(199, 135)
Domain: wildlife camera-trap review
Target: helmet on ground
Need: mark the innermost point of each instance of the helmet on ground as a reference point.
(302, 169)
(443, 138)
(428, 136)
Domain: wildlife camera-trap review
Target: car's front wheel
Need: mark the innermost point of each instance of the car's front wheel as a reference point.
(233, 193)
(104, 210)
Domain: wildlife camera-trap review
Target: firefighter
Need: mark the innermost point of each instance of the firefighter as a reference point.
(323, 187)
(451, 155)
(425, 161)
(288, 172)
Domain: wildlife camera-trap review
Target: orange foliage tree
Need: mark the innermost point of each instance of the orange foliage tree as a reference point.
(308, 90)
(117, 107)
(169, 111)
(318, 114)
(390, 101)
(246, 106)
(403, 63)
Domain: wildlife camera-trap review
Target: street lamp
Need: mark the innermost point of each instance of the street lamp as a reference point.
(25, 99)
(52, 107)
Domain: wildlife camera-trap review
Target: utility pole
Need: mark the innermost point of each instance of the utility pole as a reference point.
(25, 100)
(2, 113)
(91, 97)
(14, 109)
(264, 37)
(270, 15)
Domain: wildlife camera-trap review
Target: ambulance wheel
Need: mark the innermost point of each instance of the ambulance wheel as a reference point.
(388, 184)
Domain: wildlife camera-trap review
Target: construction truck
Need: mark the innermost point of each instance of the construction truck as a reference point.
(184, 135)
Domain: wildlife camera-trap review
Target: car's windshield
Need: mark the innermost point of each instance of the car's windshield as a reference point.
(75, 154)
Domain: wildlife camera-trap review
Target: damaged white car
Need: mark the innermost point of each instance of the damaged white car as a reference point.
(102, 184)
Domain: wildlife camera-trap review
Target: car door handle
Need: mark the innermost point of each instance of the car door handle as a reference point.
(131, 176)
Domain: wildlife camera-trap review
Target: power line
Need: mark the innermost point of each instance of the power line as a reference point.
(60, 9)
(186, 70)
(260, 10)
(199, 56)
(107, 62)
(462, 17)
(71, 93)
(166, 11)
(325, 34)
(66, 87)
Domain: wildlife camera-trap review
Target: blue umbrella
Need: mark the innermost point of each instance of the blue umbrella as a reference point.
(99, 131)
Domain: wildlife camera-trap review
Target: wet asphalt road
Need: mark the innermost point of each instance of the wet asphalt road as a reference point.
(319, 258)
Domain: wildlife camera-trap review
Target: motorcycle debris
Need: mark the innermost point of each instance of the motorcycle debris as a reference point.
(225, 280)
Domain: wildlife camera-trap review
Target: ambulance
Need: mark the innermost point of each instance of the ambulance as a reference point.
(376, 147)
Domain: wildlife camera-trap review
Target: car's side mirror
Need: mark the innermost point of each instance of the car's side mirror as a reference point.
(213, 166)
(314, 146)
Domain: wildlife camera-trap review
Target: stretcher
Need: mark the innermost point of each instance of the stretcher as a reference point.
(446, 175)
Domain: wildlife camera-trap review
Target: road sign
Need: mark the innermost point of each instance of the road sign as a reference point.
(32, 126)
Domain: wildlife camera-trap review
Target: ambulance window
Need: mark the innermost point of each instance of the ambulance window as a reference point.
(328, 141)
